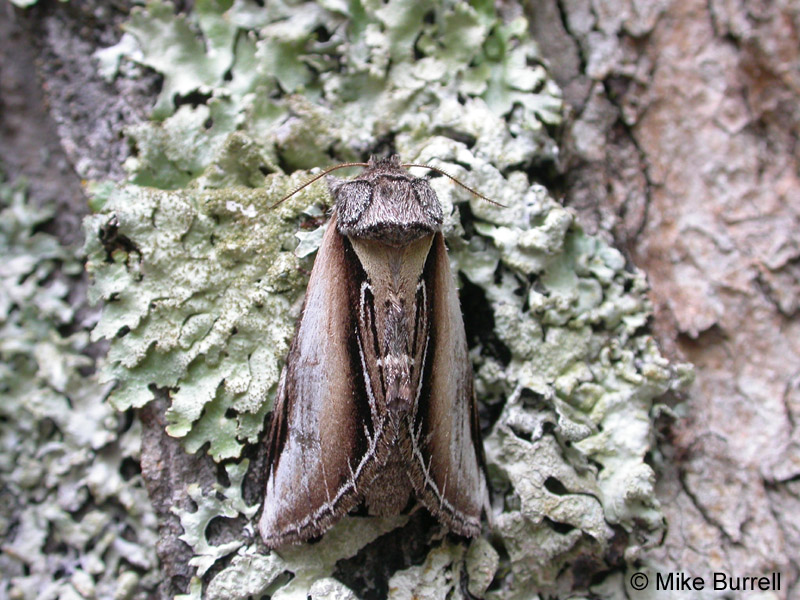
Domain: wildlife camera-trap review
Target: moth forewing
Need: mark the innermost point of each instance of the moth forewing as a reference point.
(376, 400)
(318, 447)
(448, 466)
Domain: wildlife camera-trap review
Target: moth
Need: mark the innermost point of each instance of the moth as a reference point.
(375, 404)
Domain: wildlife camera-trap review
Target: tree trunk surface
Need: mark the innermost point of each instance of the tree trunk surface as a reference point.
(681, 147)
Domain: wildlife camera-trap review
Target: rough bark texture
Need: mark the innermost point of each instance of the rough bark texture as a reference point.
(683, 146)
(166, 469)
(30, 145)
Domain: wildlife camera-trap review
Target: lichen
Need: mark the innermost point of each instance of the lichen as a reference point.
(201, 275)
(438, 577)
(75, 520)
(198, 291)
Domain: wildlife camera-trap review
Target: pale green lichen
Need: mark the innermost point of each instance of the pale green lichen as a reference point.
(249, 575)
(442, 573)
(226, 502)
(74, 523)
(253, 574)
(201, 276)
(201, 288)
(438, 577)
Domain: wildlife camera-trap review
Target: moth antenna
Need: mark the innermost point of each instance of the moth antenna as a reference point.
(463, 185)
(313, 179)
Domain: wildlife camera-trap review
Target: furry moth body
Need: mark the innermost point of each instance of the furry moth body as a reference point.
(375, 404)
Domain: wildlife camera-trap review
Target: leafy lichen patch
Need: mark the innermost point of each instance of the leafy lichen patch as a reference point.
(197, 300)
(201, 275)
(73, 521)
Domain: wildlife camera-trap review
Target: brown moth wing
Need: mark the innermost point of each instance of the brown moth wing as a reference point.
(321, 440)
(447, 467)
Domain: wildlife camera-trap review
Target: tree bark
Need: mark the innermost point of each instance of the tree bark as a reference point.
(683, 147)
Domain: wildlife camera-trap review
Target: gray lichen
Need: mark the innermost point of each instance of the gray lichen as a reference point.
(201, 276)
(74, 524)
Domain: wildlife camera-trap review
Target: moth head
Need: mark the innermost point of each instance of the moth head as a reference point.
(386, 203)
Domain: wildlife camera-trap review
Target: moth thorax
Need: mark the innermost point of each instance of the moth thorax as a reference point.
(391, 234)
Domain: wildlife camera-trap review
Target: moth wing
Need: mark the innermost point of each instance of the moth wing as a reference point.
(318, 444)
(448, 473)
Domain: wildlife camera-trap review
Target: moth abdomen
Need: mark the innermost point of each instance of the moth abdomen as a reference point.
(399, 393)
